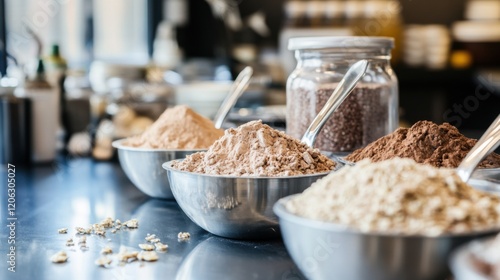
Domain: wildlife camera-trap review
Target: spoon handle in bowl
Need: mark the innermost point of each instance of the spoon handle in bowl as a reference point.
(486, 144)
(237, 88)
(344, 88)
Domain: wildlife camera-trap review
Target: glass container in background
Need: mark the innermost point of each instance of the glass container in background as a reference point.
(368, 113)
(44, 115)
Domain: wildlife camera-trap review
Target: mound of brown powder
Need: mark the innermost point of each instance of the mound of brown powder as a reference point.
(256, 149)
(178, 128)
(425, 142)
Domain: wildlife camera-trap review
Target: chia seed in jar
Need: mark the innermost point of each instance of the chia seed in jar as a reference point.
(368, 113)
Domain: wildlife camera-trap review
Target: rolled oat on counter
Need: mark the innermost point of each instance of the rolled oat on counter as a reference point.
(177, 128)
(256, 149)
(425, 142)
(398, 196)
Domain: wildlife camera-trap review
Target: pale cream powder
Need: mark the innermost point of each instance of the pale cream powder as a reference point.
(398, 196)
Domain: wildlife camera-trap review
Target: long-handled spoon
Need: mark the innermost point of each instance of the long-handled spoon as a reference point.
(237, 88)
(486, 144)
(344, 88)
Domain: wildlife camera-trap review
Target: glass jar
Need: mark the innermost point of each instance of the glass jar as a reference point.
(368, 113)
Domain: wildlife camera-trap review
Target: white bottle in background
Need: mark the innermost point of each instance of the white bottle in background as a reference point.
(166, 52)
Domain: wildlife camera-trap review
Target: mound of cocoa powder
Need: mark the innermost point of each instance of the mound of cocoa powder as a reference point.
(256, 149)
(425, 142)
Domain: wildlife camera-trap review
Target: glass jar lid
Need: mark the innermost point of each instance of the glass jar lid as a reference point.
(301, 43)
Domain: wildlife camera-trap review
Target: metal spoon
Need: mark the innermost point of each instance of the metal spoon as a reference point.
(239, 85)
(345, 87)
(486, 144)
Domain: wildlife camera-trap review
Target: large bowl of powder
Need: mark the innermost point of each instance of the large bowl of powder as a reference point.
(230, 189)
(394, 219)
(178, 132)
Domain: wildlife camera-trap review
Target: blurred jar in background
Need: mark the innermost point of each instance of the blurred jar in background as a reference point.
(44, 113)
(378, 18)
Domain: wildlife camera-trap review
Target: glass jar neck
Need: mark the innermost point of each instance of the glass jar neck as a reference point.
(339, 55)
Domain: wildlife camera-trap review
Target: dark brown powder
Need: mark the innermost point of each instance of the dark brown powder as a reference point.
(425, 142)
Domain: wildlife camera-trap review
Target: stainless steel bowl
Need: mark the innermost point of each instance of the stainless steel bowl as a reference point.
(143, 167)
(462, 264)
(329, 251)
(234, 207)
(489, 174)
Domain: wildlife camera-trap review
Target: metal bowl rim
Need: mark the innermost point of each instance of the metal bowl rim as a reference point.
(281, 211)
(168, 166)
(119, 145)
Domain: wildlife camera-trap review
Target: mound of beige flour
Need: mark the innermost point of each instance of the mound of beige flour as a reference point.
(256, 149)
(177, 128)
(398, 196)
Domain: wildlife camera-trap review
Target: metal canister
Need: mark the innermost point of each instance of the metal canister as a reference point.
(15, 130)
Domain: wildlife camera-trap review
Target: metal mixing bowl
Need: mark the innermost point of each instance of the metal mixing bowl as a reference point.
(462, 261)
(143, 167)
(324, 250)
(231, 206)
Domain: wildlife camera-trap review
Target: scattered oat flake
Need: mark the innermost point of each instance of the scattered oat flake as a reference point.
(161, 247)
(183, 236)
(146, 247)
(59, 257)
(149, 256)
(118, 222)
(104, 261)
(81, 230)
(106, 250)
(113, 230)
(70, 242)
(107, 223)
(125, 256)
(155, 240)
(62, 230)
(133, 223)
(149, 237)
(118, 227)
(83, 239)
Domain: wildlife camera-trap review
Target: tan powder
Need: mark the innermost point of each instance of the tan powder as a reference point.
(177, 128)
(256, 149)
(398, 196)
(425, 142)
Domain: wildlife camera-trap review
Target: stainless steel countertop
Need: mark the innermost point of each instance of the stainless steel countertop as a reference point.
(78, 192)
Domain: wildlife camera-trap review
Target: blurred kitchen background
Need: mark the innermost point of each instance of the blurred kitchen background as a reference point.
(115, 65)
